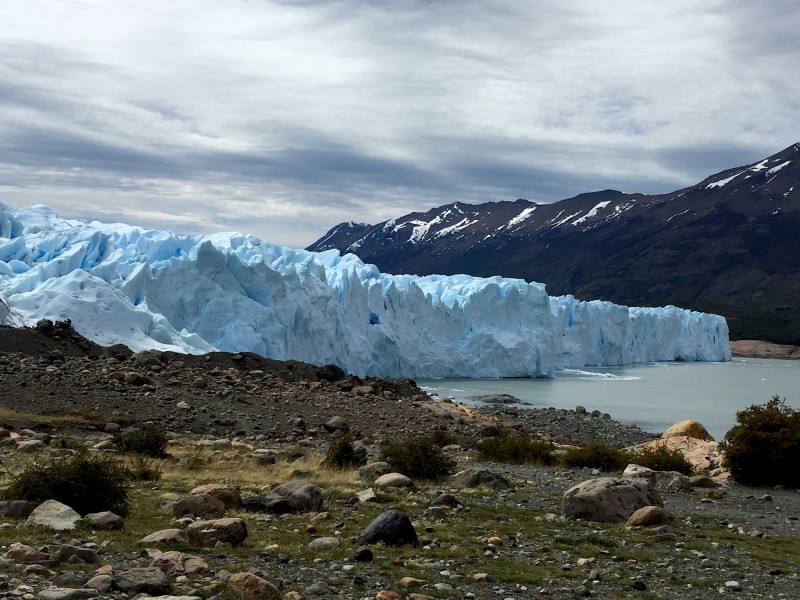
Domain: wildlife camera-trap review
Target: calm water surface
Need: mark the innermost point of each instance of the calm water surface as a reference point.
(654, 396)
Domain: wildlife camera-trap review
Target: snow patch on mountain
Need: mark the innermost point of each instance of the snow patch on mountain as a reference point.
(592, 213)
(234, 292)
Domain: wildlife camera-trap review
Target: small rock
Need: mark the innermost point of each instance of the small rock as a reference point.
(165, 536)
(248, 586)
(105, 520)
(146, 580)
(324, 543)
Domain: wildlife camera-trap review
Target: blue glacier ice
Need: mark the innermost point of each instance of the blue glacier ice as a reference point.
(234, 292)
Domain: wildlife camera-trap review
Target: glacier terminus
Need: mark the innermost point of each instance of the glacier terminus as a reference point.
(233, 292)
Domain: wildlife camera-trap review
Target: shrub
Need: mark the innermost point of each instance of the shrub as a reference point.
(764, 446)
(661, 458)
(342, 454)
(596, 455)
(443, 438)
(419, 458)
(517, 449)
(87, 482)
(143, 468)
(150, 440)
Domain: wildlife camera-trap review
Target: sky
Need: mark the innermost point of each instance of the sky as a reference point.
(282, 119)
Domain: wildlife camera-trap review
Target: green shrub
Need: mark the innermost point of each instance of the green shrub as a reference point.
(443, 438)
(87, 482)
(596, 455)
(342, 454)
(419, 458)
(150, 440)
(143, 468)
(517, 449)
(763, 447)
(661, 458)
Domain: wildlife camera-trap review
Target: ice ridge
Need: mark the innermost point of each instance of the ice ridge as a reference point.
(234, 292)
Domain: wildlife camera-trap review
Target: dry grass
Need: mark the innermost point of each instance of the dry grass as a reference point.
(29, 419)
(246, 473)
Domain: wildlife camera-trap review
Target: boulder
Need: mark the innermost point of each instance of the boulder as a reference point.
(473, 478)
(668, 481)
(101, 583)
(178, 563)
(392, 527)
(24, 554)
(689, 428)
(393, 480)
(144, 580)
(106, 520)
(367, 495)
(609, 499)
(227, 495)
(198, 505)
(165, 536)
(336, 424)
(295, 496)
(374, 470)
(30, 446)
(650, 515)
(54, 514)
(247, 586)
(59, 593)
(324, 543)
(207, 533)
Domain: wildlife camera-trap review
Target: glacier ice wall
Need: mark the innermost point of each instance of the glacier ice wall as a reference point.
(233, 292)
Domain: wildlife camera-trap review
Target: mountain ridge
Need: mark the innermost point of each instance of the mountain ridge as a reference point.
(728, 244)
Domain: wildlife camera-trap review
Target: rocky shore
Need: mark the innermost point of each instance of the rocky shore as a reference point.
(759, 349)
(251, 426)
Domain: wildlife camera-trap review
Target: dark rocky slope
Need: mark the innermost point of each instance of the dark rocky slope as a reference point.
(730, 244)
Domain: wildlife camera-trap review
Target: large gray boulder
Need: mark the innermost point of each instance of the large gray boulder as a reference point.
(295, 496)
(392, 527)
(54, 514)
(665, 481)
(609, 499)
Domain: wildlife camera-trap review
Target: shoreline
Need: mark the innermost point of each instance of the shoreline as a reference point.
(761, 349)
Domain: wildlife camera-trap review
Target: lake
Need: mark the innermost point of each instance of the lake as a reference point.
(653, 395)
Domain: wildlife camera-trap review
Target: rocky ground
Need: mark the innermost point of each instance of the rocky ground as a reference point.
(251, 423)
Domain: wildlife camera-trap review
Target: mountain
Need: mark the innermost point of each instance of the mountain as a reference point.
(233, 292)
(730, 244)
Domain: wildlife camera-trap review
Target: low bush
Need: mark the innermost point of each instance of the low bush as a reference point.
(661, 458)
(596, 455)
(763, 447)
(150, 440)
(86, 481)
(419, 458)
(342, 454)
(518, 448)
(143, 468)
(443, 438)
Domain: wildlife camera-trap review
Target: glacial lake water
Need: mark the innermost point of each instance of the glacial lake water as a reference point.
(653, 395)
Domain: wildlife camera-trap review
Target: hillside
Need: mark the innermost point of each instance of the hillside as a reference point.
(730, 244)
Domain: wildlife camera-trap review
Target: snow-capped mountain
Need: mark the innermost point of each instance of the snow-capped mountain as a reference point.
(730, 243)
(233, 292)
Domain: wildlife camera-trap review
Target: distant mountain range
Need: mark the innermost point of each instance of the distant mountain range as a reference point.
(730, 244)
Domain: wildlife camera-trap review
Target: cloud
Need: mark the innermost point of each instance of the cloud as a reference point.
(283, 118)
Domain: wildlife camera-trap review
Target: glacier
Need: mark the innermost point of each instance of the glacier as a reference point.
(233, 292)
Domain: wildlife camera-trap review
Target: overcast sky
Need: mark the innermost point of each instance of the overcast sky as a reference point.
(284, 118)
